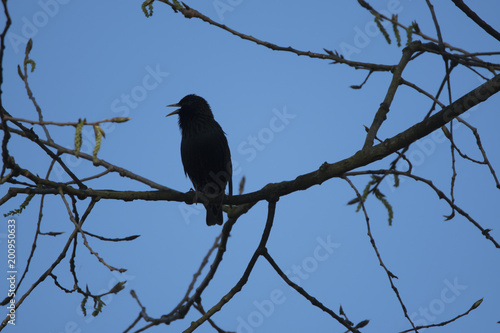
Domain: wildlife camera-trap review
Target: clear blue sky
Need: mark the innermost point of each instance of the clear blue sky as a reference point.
(284, 116)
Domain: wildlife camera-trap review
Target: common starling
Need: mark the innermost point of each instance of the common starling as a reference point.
(205, 154)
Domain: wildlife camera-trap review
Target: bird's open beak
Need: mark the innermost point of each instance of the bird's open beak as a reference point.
(173, 112)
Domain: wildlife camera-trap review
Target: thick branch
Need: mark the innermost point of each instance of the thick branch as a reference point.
(474, 17)
(317, 177)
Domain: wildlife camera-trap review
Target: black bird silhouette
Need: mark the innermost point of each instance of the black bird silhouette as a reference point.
(205, 154)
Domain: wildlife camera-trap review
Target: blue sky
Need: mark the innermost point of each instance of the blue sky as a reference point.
(284, 116)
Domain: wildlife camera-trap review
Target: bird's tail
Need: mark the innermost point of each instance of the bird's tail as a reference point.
(214, 214)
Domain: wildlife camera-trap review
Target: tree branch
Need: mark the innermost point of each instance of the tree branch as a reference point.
(189, 12)
(389, 274)
(100, 162)
(53, 265)
(302, 292)
(474, 17)
(183, 307)
(302, 182)
(261, 248)
(440, 194)
(381, 114)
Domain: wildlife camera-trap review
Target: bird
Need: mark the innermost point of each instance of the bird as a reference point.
(205, 154)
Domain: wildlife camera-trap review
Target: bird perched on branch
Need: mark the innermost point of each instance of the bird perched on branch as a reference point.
(205, 154)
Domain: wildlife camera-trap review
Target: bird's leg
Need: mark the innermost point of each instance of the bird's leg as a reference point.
(222, 198)
(195, 195)
(199, 196)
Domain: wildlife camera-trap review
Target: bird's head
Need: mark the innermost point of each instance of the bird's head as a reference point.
(192, 106)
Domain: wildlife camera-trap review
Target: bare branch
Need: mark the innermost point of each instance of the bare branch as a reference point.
(422, 91)
(41, 122)
(474, 17)
(38, 231)
(111, 167)
(473, 307)
(302, 182)
(182, 309)
(483, 152)
(189, 12)
(261, 248)
(72, 219)
(30, 134)
(52, 266)
(381, 114)
(204, 262)
(310, 298)
(440, 194)
(389, 274)
(436, 24)
(6, 136)
(24, 77)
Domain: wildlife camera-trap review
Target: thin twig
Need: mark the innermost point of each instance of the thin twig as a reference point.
(6, 136)
(481, 148)
(365, 5)
(111, 167)
(390, 275)
(180, 311)
(200, 308)
(30, 134)
(41, 122)
(24, 77)
(261, 248)
(422, 91)
(474, 306)
(85, 242)
(107, 239)
(38, 224)
(453, 172)
(436, 24)
(99, 175)
(204, 262)
(310, 298)
(440, 194)
(381, 114)
(68, 291)
(189, 12)
(133, 324)
(52, 266)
